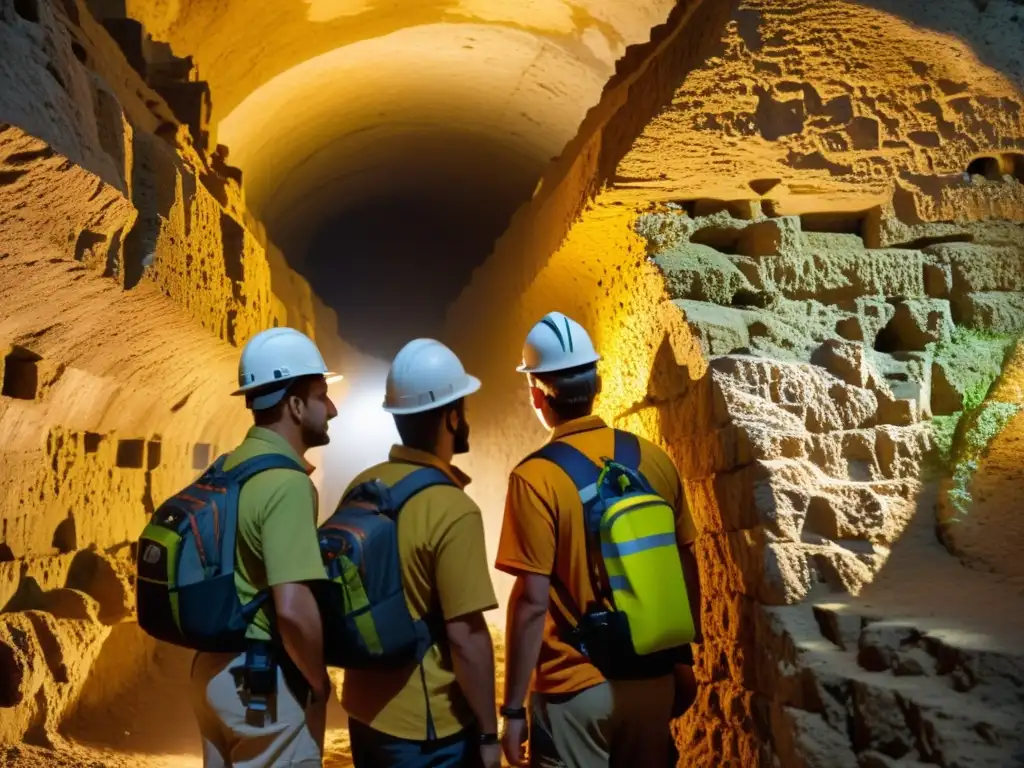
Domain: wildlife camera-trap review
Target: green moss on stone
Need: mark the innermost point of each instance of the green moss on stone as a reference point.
(985, 423)
(971, 360)
(943, 431)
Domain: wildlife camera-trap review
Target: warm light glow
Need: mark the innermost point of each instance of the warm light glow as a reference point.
(361, 435)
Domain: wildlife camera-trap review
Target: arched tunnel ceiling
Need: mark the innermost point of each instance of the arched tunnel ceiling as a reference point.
(260, 39)
(373, 135)
(424, 111)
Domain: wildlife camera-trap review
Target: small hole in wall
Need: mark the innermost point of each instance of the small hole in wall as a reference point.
(985, 166)
(201, 453)
(12, 673)
(834, 222)
(130, 453)
(65, 537)
(21, 374)
(27, 9)
(91, 442)
(79, 51)
(153, 454)
(6, 553)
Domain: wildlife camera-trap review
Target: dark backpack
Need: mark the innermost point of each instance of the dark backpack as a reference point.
(185, 564)
(367, 623)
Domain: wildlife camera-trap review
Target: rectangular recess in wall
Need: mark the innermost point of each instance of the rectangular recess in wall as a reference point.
(21, 374)
(153, 453)
(91, 441)
(201, 454)
(131, 453)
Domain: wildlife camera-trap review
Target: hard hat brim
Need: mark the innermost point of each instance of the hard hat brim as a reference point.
(560, 366)
(330, 376)
(472, 386)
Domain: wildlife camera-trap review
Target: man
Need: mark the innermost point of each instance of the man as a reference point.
(577, 717)
(284, 380)
(442, 711)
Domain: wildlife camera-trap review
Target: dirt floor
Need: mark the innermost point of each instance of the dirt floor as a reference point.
(125, 734)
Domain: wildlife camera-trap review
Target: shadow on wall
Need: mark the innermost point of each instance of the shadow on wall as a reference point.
(995, 44)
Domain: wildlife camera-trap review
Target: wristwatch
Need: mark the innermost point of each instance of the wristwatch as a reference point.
(513, 713)
(488, 739)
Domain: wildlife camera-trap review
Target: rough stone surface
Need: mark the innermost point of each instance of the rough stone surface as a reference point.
(127, 286)
(840, 264)
(823, 395)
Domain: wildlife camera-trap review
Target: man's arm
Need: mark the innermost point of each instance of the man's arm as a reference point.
(473, 659)
(527, 608)
(291, 556)
(302, 634)
(527, 551)
(465, 592)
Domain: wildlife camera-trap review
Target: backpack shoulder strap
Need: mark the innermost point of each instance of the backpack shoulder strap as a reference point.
(253, 466)
(239, 475)
(581, 470)
(418, 480)
(627, 449)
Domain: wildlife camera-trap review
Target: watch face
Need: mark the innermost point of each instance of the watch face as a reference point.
(487, 739)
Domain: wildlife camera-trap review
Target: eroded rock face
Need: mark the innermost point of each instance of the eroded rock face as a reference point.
(830, 295)
(128, 279)
(827, 440)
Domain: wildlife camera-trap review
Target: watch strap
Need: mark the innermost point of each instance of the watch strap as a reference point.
(513, 713)
(487, 739)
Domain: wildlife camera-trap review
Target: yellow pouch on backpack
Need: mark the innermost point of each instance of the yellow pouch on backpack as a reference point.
(645, 573)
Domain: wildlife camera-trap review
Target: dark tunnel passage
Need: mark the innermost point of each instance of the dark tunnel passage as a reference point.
(390, 260)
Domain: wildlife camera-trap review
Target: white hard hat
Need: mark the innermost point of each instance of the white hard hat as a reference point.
(426, 375)
(276, 356)
(555, 343)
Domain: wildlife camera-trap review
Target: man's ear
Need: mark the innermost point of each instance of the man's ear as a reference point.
(295, 407)
(537, 397)
(451, 420)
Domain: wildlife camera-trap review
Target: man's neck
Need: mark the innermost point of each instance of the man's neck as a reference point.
(290, 436)
(441, 453)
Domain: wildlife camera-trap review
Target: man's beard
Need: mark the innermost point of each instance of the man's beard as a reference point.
(314, 437)
(461, 442)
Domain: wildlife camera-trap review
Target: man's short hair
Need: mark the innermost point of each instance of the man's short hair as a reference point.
(298, 387)
(419, 430)
(571, 392)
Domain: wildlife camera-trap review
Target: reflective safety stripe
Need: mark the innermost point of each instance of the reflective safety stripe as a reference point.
(610, 549)
(588, 494)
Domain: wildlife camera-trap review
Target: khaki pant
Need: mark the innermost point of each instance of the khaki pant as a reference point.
(231, 742)
(617, 723)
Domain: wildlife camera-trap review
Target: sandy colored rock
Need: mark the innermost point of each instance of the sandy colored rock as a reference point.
(995, 312)
(701, 274)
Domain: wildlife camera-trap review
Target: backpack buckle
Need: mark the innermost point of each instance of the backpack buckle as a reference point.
(256, 710)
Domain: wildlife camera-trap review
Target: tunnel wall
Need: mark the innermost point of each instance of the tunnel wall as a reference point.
(812, 342)
(130, 273)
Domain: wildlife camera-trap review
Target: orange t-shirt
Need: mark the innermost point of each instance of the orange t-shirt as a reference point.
(543, 533)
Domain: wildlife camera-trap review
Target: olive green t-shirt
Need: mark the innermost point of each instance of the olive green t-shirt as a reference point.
(277, 517)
